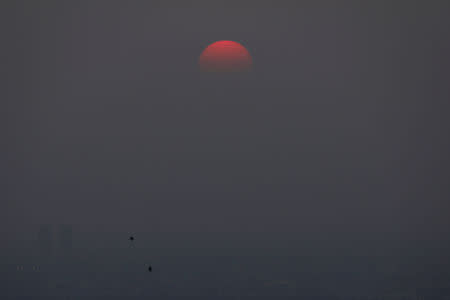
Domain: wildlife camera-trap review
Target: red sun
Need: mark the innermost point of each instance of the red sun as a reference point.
(225, 56)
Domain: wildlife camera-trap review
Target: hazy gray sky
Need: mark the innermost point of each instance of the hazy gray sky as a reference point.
(342, 127)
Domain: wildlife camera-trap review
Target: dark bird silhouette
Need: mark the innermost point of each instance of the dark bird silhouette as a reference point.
(131, 239)
(149, 268)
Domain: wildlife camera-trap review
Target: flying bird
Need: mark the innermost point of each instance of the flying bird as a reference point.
(131, 239)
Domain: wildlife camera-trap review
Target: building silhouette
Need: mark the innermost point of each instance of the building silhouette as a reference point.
(65, 239)
(45, 240)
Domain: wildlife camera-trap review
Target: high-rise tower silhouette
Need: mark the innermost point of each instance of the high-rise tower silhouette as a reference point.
(65, 238)
(44, 240)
